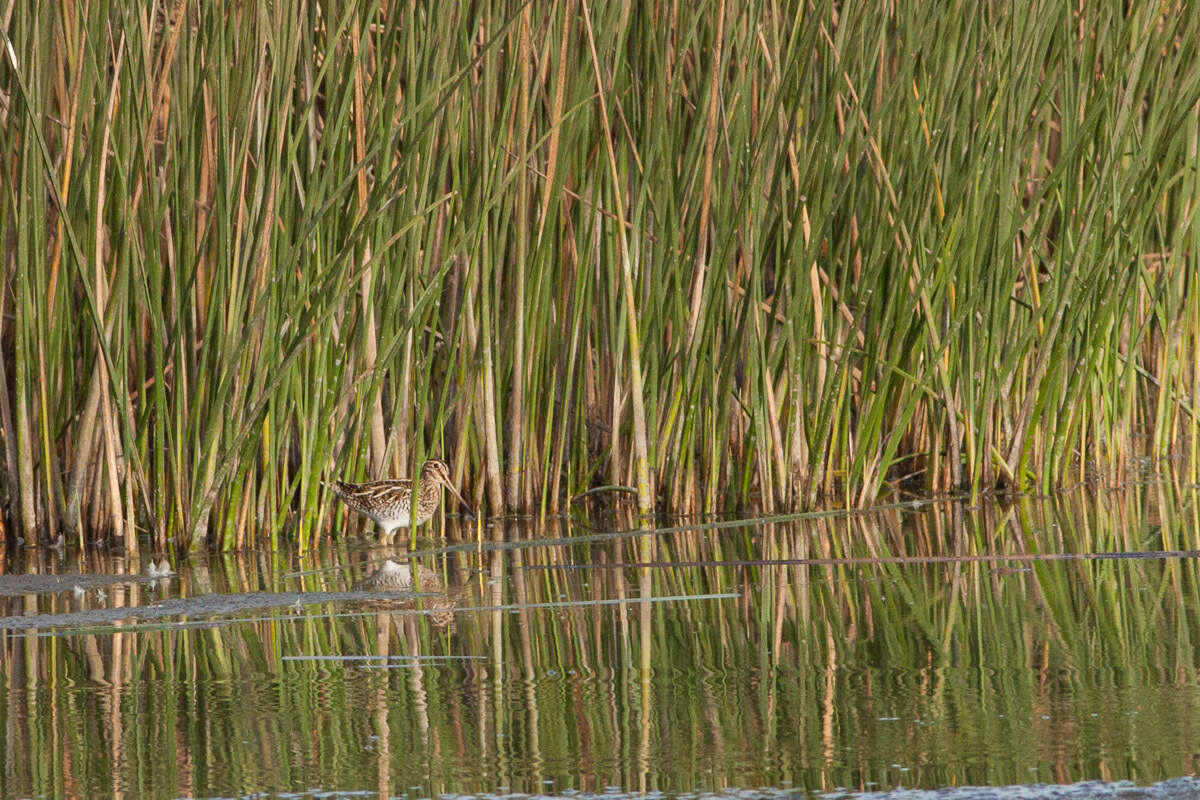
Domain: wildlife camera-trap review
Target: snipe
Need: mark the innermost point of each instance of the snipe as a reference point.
(387, 501)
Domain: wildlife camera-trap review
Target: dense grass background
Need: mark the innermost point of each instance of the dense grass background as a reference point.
(727, 254)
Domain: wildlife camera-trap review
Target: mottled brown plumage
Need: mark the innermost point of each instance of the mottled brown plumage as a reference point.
(387, 501)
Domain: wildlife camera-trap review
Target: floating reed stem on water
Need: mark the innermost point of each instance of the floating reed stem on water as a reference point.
(729, 255)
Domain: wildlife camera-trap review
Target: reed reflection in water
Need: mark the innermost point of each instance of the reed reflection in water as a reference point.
(928, 646)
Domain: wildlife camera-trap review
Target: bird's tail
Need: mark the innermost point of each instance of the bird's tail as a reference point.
(340, 488)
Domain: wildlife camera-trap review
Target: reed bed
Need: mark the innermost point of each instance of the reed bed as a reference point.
(728, 255)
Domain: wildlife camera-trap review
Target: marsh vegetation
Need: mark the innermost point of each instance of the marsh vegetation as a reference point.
(727, 255)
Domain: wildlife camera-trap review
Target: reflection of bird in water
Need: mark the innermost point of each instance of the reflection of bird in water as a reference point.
(160, 574)
(393, 577)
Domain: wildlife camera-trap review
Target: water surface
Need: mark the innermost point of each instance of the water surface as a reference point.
(926, 647)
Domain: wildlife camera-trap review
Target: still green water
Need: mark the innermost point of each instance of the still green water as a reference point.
(926, 646)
